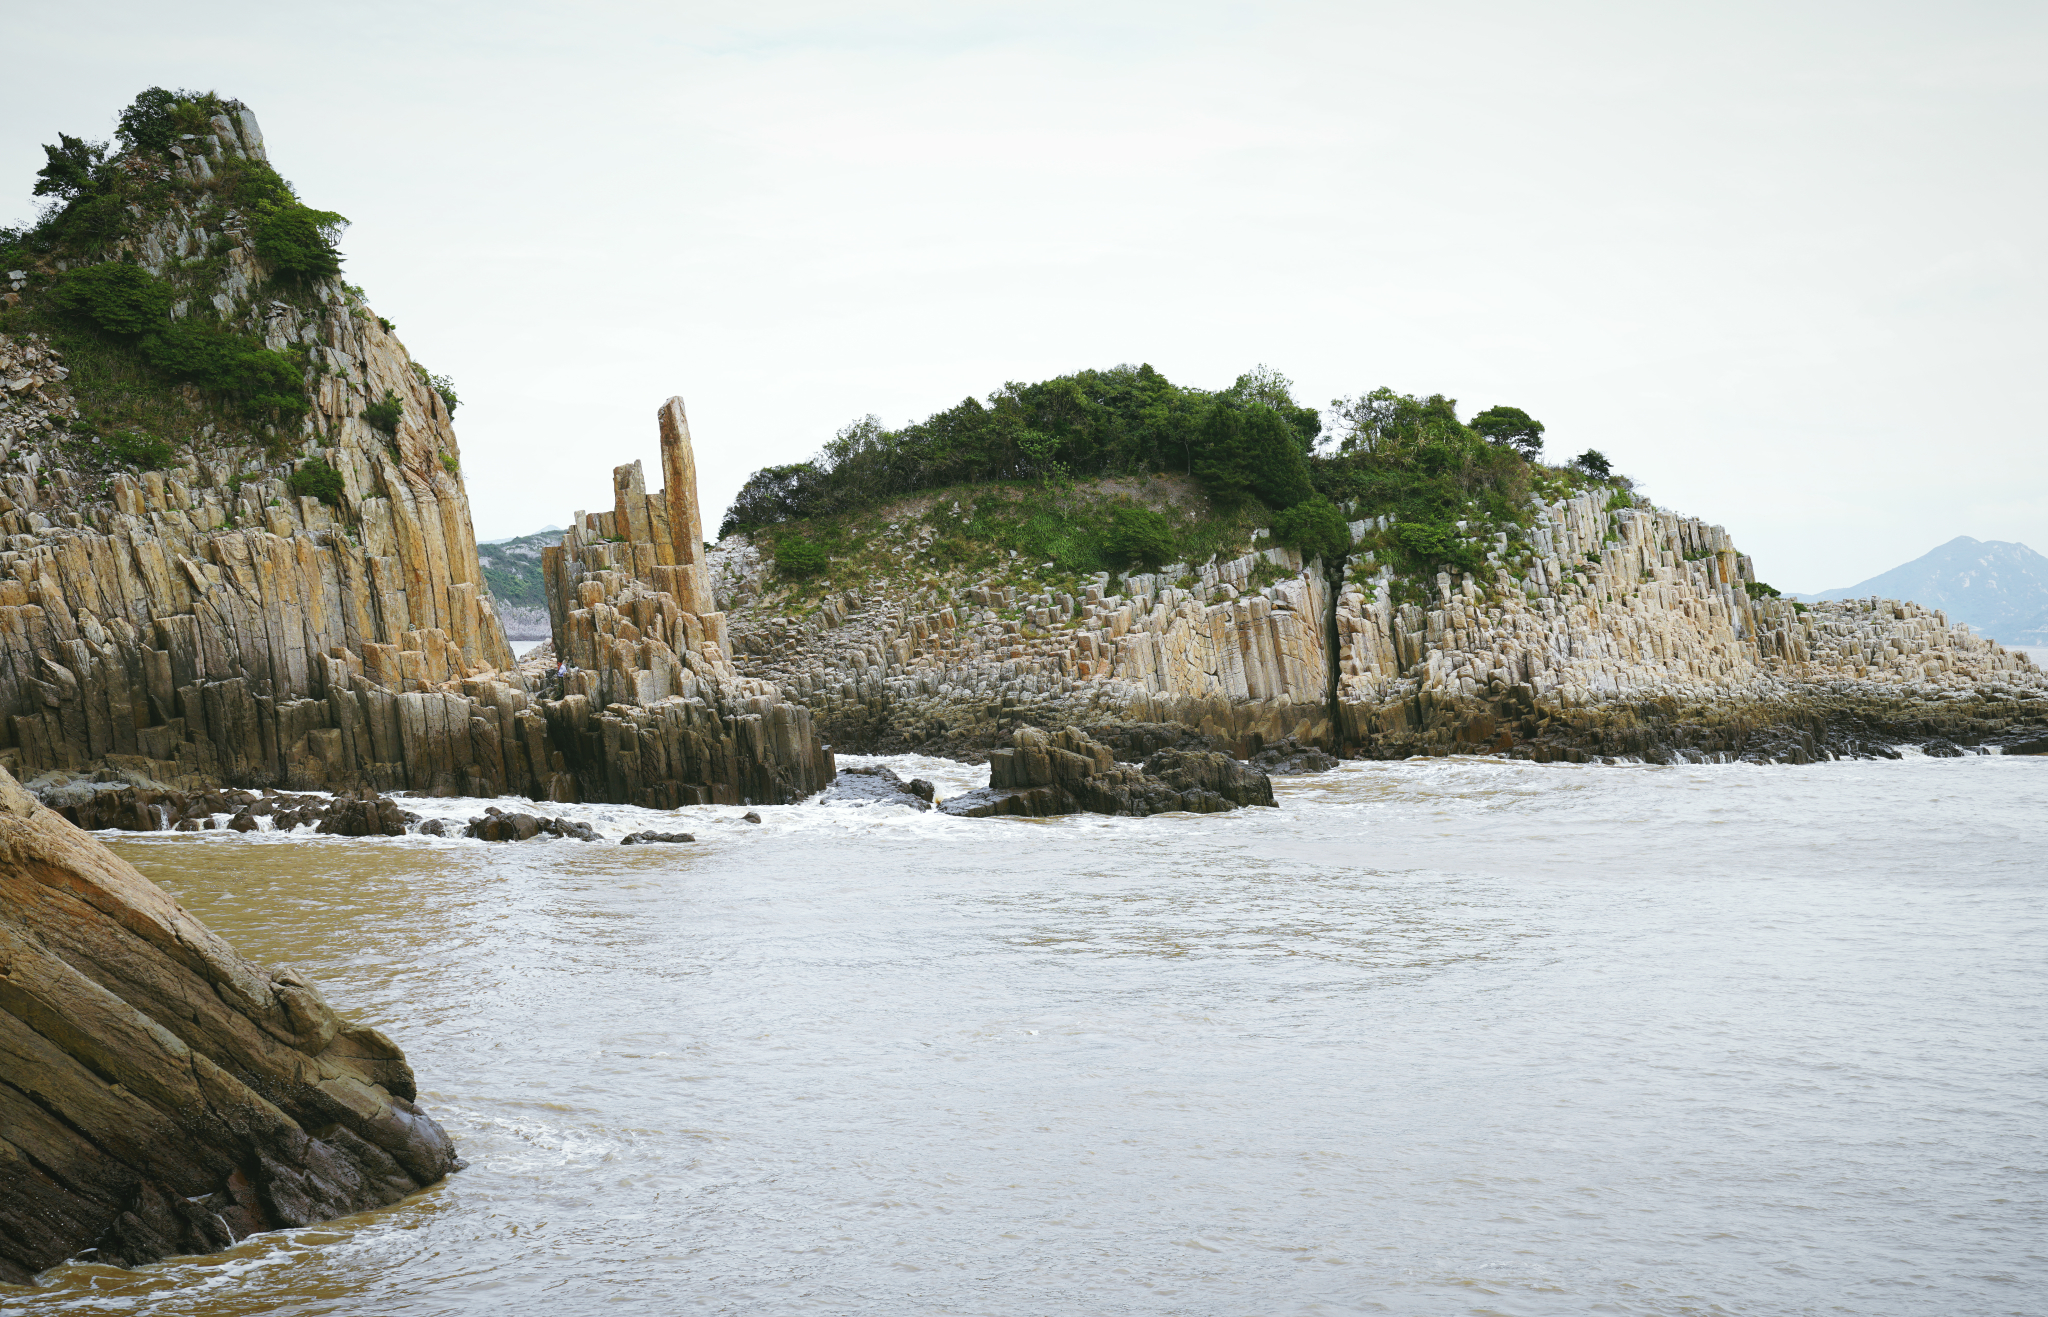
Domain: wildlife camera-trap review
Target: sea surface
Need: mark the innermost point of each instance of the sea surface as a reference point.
(1436, 1037)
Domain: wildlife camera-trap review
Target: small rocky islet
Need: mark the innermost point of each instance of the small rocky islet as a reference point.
(252, 600)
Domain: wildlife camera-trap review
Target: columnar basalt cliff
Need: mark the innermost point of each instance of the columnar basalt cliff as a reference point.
(286, 590)
(159, 1094)
(1604, 629)
(1630, 631)
(202, 617)
(1142, 664)
(654, 712)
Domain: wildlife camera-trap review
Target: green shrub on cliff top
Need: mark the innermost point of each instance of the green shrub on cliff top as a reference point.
(1316, 528)
(297, 242)
(1247, 441)
(128, 306)
(1138, 537)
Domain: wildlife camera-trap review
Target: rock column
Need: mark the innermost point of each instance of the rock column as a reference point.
(685, 522)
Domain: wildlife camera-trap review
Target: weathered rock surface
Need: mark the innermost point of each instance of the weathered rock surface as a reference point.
(654, 713)
(878, 784)
(1065, 772)
(204, 626)
(644, 838)
(159, 1094)
(1603, 632)
(107, 801)
(1624, 632)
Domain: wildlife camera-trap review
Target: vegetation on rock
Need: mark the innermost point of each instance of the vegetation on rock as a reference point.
(127, 262)
(316, 479)
(1260, 458)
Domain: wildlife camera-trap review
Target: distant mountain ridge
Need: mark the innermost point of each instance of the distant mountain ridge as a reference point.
(1997, 586)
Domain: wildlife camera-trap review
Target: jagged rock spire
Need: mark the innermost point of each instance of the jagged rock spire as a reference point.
(685, 522)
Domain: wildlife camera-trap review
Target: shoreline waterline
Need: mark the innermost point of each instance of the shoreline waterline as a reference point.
(1464, 1034)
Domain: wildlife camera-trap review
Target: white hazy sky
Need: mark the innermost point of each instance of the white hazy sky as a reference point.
(1781, 261)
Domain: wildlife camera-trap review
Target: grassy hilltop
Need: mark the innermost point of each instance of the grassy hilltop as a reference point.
(1121, 470)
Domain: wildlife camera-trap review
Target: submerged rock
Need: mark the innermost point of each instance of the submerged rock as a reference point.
(1290, 758)
(159, 1094)
(1068, 773)
(642, 838)
(878, 784)
(497, 825)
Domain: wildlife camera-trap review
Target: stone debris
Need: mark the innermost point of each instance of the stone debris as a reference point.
(642, 838)
(1066, 772)
(164, 1095)
(1192, 647)
(111, 802)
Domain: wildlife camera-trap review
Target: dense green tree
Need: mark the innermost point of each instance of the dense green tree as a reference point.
(70, 168)
(115, 298)
(1594, 463)
(1511, 427)
(298, 242)
(1252, 452)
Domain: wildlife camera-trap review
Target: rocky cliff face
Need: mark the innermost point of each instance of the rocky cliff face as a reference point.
(223, 610)
(1598, 631)
(205, 622)
(654, 712)
(158, 1093)
(1627, 631)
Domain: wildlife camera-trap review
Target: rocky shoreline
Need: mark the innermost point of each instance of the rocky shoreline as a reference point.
(159, 1094)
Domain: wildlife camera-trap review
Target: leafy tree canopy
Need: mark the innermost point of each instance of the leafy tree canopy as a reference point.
(69, 168)
(1511, 427)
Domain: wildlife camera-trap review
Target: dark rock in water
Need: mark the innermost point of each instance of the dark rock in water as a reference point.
(497, 825)
(2034, 746)
(1290, 758)
(642, 838)
(433, 828)
(1069, 773)
(878, 784)
(1940, 748)
(161, 1094)
(750, 817)
(242, 822)
(367, 815)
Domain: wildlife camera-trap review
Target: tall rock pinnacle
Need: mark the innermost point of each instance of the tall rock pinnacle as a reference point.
(685, 522)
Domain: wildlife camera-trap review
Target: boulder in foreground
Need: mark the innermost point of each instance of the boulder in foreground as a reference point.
(159, 1094)
(1069, 773)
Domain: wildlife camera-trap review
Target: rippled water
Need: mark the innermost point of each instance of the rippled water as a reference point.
(1435, 1037)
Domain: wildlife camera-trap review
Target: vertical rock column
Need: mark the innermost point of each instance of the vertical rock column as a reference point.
(685, 523)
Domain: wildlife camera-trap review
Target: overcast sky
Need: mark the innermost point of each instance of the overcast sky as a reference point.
(1782, 262)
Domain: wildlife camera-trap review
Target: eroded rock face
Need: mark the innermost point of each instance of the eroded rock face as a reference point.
(1600, 631)
(1068, 773)
(159, 1094)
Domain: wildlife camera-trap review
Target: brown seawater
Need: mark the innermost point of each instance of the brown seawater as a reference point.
(1453, 1036)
